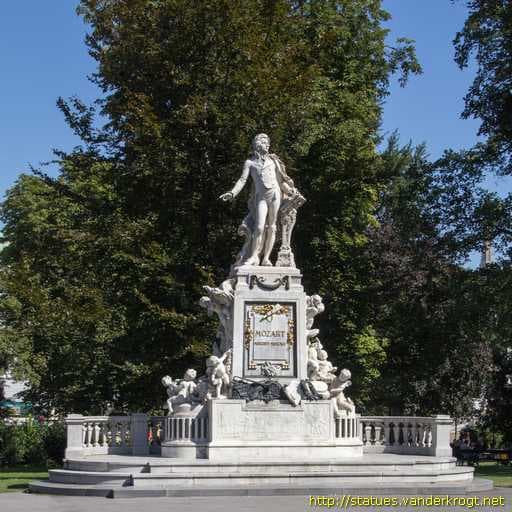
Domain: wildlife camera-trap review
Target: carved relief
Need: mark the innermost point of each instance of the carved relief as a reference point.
(269, 337)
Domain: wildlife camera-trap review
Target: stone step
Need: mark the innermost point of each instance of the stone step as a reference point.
(359, 488)
(46, 487)
(248, 476)
(176, 480)
(89, 477)
(163, 466)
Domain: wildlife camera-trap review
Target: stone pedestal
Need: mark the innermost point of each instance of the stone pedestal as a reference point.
(251, 431)
(186, 434)
(269, 323)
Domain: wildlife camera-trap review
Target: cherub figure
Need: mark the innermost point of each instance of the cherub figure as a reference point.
(314, 306)
(220, 301)
(314, 376)
(338, 398)
(179, 391)
(325, 368)
(218, 376)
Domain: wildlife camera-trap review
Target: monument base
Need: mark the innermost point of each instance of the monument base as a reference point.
(257, 430)
(118, 476)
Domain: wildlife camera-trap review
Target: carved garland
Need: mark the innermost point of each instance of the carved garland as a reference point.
(260, 281)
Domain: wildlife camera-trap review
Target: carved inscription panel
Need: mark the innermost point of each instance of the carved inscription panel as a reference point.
(243, 422)
(269, 339)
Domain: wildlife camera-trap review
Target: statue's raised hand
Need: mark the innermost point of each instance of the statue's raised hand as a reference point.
(228, 196)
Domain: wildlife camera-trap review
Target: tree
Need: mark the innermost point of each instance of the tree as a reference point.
(118, 247)
(486, 35)
(437, 316)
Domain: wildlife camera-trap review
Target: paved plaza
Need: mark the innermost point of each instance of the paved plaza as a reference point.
(22, 502)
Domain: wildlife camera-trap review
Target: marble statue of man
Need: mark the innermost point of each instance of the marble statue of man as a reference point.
(270, 185)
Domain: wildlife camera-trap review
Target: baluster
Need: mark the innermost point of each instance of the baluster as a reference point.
(402, 436)
(156, 432)
(424, 435)
(94, 434)
(128, 435)
(110, 434)
(85, 437)
(368, 433)
(122, 434)
(421, 435)
(90, 434)
(415, 434)
(101, 434)
(410, 437)
(396, 434)
(378, 434)
(386, 433)
(159, 432)
(428, 436)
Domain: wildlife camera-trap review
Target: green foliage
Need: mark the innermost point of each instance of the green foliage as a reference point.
(106, 263)
(475, 214)
(486, 36)
(441, 320)
(32, 443)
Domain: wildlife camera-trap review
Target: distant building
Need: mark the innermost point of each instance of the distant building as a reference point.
(12, 400)
(486, 254)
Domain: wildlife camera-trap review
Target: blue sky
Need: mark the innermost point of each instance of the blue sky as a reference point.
(43, 56)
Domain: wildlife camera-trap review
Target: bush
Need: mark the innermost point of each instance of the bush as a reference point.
(54, 442)
(32, 443)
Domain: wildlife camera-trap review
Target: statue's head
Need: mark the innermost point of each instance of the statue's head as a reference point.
(261, 143)
(316, 300)
(344, 375)
(322, 355)
(167, 381)
(190, 374)
(212, 361)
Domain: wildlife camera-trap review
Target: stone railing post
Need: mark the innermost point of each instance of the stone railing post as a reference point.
(441, 427)
(74, 435)
(139, 432)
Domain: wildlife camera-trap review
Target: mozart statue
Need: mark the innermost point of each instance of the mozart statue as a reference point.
(273, 195)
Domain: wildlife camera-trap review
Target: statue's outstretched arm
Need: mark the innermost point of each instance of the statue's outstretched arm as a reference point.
(239, 185)
(223, 357)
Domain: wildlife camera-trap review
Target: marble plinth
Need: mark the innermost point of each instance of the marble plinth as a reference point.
(129, 476)
(256, 430)
(269, 286)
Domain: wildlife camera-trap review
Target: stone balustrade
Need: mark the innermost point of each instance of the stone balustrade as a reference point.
(183, 428)
(156, 426)
(406, 435)
(347, 426)
(139, 434)
(90, 435)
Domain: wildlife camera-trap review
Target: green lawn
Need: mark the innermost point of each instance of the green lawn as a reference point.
(500, 475)
(13, 479)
